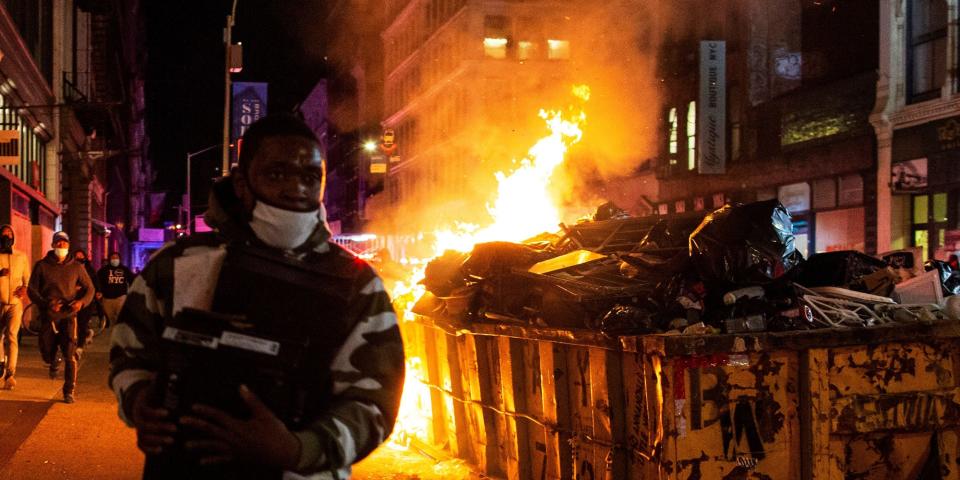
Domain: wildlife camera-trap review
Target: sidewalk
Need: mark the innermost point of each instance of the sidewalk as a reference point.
(43, 438)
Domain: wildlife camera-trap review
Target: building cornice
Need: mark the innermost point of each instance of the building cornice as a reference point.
(912, 115)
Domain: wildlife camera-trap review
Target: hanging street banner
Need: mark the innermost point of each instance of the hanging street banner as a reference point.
(712, 108)
(249, 105)
(9, 147)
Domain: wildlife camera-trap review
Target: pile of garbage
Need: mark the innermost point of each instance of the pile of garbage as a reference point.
(734, 270)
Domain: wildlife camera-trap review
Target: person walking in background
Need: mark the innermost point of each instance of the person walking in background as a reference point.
(60, 287)
(14, 278)
(114, 279)
(84, 330)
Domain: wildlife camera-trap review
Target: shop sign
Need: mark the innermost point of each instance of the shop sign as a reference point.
(926, 140)
(712, 109)
(378, 164)
(948, 134)
(9, 147)
(909, 176)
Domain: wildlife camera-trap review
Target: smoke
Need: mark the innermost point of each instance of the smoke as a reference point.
(613, 49)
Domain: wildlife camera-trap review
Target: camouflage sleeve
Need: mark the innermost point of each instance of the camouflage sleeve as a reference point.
(368, 380)
(134, 343)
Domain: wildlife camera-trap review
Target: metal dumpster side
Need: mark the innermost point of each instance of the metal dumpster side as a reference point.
(823, 404)
(523, 402)
(530, 403)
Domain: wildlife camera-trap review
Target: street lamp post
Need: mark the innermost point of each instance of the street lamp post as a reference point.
(189, 203)
(228, 42)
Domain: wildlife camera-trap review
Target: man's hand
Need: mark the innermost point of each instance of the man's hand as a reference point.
(154, 428)
(56, 305)
(262, 438)
(76, 306)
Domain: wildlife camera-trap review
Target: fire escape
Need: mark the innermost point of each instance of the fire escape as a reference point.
(95, 94)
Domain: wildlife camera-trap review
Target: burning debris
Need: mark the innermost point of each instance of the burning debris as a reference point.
(733, 270)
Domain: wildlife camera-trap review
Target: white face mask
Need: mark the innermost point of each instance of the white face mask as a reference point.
(284, 229)
(61, 253)
(114, 262)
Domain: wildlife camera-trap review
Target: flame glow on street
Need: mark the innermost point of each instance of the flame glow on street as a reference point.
(525, 206)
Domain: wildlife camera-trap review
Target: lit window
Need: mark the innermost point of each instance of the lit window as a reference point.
(495, 47)
(526, 50)
(692, 135)
(496, 36)
(558, 49)
(927, 48)
(673, 136)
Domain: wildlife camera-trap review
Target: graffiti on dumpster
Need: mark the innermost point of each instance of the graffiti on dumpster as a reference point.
(746, 421)
(890, 364)
(914, 411)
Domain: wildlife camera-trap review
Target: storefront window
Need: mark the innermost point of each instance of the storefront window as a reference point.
(931, 215)
(921, 238)
(940, 207)
(840, 230)
(921, 209)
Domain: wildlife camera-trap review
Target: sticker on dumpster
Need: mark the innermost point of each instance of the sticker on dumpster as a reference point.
(681, 420)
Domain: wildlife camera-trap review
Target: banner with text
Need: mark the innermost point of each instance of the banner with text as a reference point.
(249, 105)
(712, 112)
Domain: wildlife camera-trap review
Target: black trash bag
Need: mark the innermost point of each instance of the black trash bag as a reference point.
(444, 274)
(846, 268)
(610, 211)
(649, 266)
(492, 258)
(672, 232)
(745, 245)
(949, 278)
(626, 319)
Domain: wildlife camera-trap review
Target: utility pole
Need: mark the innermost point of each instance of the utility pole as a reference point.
(187, 201)
(228, 63)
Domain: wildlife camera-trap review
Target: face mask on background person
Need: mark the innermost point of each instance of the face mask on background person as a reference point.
(61, 253)
(284, 229)
(114, 262)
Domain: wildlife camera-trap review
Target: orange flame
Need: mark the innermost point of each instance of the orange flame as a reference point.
(524, 207)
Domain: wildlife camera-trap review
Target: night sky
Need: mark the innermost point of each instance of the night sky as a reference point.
(184, 89)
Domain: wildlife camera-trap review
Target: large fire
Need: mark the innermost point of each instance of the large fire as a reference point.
(524, 206)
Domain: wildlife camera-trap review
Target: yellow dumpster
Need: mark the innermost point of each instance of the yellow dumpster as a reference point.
(524, 402)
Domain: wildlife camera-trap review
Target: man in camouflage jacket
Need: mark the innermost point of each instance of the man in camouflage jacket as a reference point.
(265, 203)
